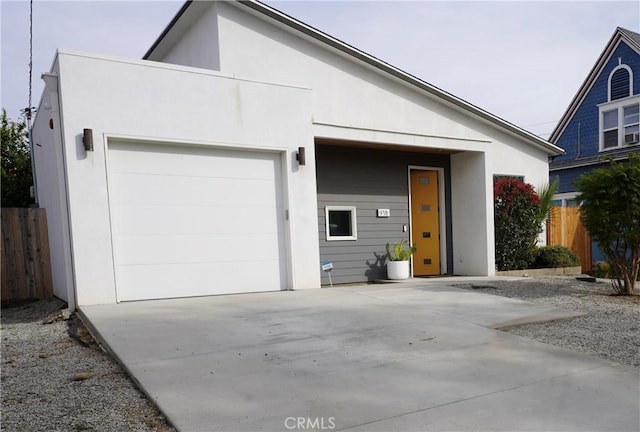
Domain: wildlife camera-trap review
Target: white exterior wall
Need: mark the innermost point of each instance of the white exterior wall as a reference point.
(354, 101)
(140, 100)
(473, 250)
(472, 177)
(187, 51)
(51, 189)
(519, 159)
(346, 95)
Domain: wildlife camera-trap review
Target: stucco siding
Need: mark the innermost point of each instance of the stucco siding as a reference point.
(51, 187)
(188, 52)
(369, 180)
(344, 92)
(148, 102)
(473, 245)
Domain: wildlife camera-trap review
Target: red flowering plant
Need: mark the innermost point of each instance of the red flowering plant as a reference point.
(517, 223)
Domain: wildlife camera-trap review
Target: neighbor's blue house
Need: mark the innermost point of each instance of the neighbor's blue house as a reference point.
(603, 118)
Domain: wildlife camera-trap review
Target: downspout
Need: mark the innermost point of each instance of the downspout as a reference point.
(51, 81)
(579, 143)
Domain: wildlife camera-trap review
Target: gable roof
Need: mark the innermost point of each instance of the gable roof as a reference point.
(633, 38)
(621, 34)
(176, 26)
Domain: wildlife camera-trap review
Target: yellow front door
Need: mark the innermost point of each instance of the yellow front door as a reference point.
(425, 222)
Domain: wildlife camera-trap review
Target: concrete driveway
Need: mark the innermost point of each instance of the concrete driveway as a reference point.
(416, 356)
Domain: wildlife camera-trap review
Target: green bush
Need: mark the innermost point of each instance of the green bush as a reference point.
(610, 211)
(16, 162)
(555, 257)
(516, 223)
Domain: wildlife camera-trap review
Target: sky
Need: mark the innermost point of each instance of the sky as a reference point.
(522, 61)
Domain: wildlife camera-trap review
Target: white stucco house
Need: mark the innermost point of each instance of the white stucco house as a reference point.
(245, 149)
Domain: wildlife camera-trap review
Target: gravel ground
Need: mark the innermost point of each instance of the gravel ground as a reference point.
(609, 330)
(51, 382)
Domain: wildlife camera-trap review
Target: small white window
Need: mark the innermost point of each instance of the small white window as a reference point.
(341, 223)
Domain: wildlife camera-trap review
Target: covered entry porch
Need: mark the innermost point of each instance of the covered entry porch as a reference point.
(371, 194)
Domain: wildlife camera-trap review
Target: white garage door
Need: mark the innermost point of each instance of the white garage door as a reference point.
(192, 221)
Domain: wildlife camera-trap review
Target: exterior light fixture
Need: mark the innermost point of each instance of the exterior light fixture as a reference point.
(87, 139)
(300, 156)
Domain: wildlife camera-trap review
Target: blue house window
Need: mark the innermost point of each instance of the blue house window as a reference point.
(631, 124)
(610, 128)
(619, 126)
(620, 84)
(620, 115)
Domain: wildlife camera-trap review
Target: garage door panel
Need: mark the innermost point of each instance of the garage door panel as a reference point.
(197, 220)
(192, 162)
(190, 191)
(197, 279)
(180, 249)
(191, 221)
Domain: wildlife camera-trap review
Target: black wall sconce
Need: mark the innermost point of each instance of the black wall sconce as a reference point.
(301, 157)
(87, 139)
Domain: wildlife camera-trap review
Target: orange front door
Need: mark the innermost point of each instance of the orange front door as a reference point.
(425, 222)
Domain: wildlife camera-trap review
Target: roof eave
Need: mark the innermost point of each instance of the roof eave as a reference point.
(632, 38)
(167, 29)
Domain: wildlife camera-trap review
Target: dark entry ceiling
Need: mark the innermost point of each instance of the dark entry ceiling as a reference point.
(378, 146)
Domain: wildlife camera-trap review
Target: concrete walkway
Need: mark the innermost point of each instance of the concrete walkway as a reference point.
(416, 356)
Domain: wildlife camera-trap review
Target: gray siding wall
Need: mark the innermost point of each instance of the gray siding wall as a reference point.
(370, 179)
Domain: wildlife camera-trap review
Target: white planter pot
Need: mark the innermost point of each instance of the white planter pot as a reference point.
(398, 269)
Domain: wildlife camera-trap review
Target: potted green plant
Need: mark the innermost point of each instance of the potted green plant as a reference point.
(398, 256)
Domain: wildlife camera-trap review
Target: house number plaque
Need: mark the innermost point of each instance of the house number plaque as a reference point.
(384, 213)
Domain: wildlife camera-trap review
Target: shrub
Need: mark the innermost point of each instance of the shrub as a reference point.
(554, 257)
(517, 223)
(610, 211)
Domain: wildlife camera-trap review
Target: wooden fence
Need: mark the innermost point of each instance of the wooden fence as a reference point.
(26, 263)
(564, 228)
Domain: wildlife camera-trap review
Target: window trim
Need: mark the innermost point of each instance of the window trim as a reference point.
(354, 224)
(616, 69)
(497, 177)
(619, 105)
